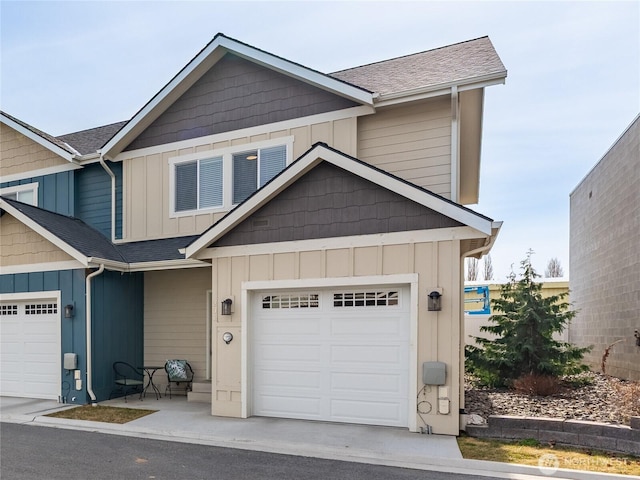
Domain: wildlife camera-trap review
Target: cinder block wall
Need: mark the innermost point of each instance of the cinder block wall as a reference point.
(605, 257)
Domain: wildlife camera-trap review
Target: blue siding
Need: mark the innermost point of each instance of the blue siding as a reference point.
(93, 197)
(117, 325)
(71, 285)
(55, 192)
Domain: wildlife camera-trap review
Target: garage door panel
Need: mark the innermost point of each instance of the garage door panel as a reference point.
(287, 327)
(372, 355)
(355, 326)
(288, 353)
(379, 413)
(366, 383)
(288, 379)
(286, 406)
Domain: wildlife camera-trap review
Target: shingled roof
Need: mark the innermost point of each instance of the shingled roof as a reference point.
(473, 59)
(91, 243)
(90, 140)
(58, 142)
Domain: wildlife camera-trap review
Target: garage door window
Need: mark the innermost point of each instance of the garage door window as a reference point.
(8, 309)
(40, 308)
(365, 299)
(291, 300)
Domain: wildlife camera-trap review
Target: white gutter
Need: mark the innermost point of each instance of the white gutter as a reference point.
(88, 317)
(113, 197)
(495, 229)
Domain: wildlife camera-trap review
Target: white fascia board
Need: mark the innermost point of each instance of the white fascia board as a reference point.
(167, 265)
(39, 140)
(298, 71)
(113, 265)
(65, 247)
(40, 172)
(440, 89)
(308, 161)
(205, 60)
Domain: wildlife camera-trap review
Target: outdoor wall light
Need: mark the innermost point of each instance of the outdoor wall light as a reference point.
(227, 337)
(433, 302)
(637, 335)
(226, 307)
(68, 311)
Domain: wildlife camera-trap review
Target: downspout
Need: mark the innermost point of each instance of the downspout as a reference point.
(113, 197)
(88, 316)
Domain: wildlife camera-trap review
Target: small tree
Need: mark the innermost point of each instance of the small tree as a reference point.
(488, 268)
(472, 269)
(554, 269)
(524, 325)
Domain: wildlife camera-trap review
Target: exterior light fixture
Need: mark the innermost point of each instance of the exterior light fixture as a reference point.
(227, 337)
(68, 311)
(433, 302)
(226, 307)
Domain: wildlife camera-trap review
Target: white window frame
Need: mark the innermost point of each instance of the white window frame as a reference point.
(227, 171)
(33, 187)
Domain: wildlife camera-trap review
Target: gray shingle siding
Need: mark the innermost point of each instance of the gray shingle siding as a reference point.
(330, 202)
(237, 94)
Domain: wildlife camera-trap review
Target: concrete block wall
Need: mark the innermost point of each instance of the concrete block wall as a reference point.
(605, 257)
(576, 433)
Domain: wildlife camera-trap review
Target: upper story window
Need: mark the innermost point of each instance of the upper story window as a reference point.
(27, 193)
(218, 180)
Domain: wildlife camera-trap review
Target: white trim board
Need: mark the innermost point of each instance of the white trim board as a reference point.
(52, 147)
(41, 267)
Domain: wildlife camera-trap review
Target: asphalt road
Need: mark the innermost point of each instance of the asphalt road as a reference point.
(30, 452)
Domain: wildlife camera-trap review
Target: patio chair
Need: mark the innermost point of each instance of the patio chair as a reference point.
(128, 379)
(179, 376)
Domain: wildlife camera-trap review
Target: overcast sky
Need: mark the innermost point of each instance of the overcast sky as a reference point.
(573, 84)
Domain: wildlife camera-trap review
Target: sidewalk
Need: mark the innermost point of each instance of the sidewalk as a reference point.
(179, 421)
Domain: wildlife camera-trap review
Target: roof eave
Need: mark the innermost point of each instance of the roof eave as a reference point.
(69, 156)
(440, 89)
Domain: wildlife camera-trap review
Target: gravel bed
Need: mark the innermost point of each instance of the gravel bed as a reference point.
(607, 399)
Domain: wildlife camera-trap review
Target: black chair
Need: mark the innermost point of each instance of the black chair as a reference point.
(179, 376)
(128, 379)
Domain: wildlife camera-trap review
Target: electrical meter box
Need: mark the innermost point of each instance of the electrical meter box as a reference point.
(434, 373)
(70, 361)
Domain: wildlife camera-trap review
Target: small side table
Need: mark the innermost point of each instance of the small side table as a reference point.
(150, 370)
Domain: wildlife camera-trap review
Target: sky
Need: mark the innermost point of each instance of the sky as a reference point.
(573, 82)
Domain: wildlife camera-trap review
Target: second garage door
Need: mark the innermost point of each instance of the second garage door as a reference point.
(337, 355)
(30, 349)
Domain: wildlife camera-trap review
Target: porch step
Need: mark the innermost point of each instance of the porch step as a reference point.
(201, 392)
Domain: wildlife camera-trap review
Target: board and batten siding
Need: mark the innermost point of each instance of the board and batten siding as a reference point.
(436, 263)
(22, 246)
(19, 154)
(175, 317)
(412, 142)
(146, 178)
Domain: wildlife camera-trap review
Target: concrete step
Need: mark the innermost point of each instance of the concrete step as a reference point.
(200, 397)
(202, 386)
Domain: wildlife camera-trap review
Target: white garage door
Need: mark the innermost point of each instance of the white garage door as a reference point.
(30, 349)
(338, 355)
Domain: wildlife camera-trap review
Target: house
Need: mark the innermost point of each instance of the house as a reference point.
(325, 211)
(605, 259)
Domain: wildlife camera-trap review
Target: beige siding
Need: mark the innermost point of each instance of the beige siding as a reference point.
(175, 318)
(437, 265)
(412, 142)
(22, 246)
(146, 179)
(19, 154)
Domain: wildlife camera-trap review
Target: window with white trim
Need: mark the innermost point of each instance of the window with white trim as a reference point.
(218, 180)
(27, 193)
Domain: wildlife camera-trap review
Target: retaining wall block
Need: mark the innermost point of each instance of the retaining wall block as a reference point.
(618, 431)
(506, 421)
(480, 431)
(628, 446)
(597, 441)
(565, 438)
(544, 423)
(635, 423)
(583, 427)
